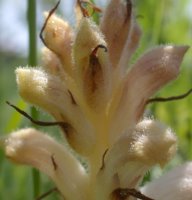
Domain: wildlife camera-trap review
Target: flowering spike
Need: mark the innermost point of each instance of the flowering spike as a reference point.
(85, 85)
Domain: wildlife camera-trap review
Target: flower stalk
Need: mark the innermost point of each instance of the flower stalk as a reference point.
(32, 60)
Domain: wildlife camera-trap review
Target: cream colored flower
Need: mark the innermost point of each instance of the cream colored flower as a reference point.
(87, 82)
(176, 184)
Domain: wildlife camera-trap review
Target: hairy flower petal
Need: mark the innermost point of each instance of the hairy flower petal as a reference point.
(92, 64)
(151, 72)
(31, 147)
(88, 37)
(58, 37)
(50, 62)
(174, 185)
(134, 153)
(78, 13)
(116, 26)
(131, 45)
(50, 93)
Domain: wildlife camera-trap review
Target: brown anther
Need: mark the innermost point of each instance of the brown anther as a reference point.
(45, 23)
(103, 159)
(47, 193)
(124, 193)
(54, 163)
(94, 52)
(40, 123)
(172, 98)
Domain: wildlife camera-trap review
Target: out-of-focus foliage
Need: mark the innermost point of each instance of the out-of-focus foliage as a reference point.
(162, 22)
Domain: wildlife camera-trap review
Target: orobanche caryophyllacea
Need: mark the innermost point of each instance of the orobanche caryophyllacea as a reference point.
(97, 98)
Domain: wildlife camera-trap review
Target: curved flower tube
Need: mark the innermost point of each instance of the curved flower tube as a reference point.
(29, 146)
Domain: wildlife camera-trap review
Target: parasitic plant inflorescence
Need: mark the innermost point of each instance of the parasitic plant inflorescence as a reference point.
(98, 98)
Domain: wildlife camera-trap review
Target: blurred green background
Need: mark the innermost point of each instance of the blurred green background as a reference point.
(162, 22)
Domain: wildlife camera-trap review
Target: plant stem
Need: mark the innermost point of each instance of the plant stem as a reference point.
(32, 54)
(32, 61)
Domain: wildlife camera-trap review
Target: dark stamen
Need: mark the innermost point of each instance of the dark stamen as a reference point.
(45, 23)
(103, 159)
(124, 193)
(94, 52)
(173, 98)
(54, 163)
(47, 193)
(40, 123)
